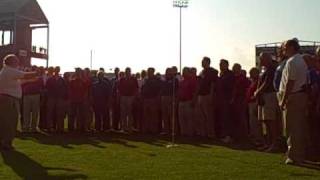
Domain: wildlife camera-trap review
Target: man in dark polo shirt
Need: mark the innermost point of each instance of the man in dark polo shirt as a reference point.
(128, 89)
(169, 89)
(115, 106)
(150, 95)
(101, 95)
(225, 94)
(205, 99)
(88, 78)
(57, 92)
(268, 106)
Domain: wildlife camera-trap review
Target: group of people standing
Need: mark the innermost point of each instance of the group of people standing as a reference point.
(285, 98)
(278, 99)
(147, 102)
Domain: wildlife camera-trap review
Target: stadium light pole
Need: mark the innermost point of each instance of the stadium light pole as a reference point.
(91, 58)
(180, 4)
(177, 4)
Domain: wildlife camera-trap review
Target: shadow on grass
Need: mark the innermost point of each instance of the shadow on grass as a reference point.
(301, 175)
(163, 141)
(70, 139)
(73, 139)
(308, 166)
(29, 169)
(305, 175)
(208, 143)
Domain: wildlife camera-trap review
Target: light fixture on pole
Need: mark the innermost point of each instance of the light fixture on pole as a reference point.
(180, 4)
(91, 58)
(177, 4)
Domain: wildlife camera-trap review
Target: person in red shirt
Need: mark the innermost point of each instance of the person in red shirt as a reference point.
(186, 92)
(255, 126)
(247, 80)
(239, 104)
(31, 104)
(128, 89)
(77, 95)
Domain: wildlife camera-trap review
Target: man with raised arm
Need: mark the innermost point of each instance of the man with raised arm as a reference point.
(10, 95)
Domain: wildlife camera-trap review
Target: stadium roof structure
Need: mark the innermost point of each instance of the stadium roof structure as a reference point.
(18, 18)
(306, 47)
(302, 43)
(21, 10)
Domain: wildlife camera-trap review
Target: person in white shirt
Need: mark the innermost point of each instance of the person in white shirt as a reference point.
(10, 94)
(294, 102)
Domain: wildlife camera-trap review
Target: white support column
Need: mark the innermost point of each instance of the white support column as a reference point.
(48, 44)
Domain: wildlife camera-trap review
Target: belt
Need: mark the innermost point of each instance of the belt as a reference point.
(300, 91)
(270, 92)
(6, 95)
(31, 94)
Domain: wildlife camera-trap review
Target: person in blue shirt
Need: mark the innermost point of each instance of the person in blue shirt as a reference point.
(101, 97)
(282, 61)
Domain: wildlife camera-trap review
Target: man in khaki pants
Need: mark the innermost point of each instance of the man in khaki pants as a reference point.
(128, 89)
(205, 97)
(10, 94)
(31, 105)
(186, 92)
(294, 102)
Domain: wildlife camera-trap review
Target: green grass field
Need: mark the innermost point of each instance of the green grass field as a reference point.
(117, 156)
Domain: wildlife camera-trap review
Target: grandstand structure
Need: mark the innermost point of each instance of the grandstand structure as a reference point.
(307, 47)
(18, 19)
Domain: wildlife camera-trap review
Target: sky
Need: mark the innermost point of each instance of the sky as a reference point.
(145, 33)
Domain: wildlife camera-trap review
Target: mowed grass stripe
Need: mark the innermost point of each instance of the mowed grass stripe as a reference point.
(114, 156)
